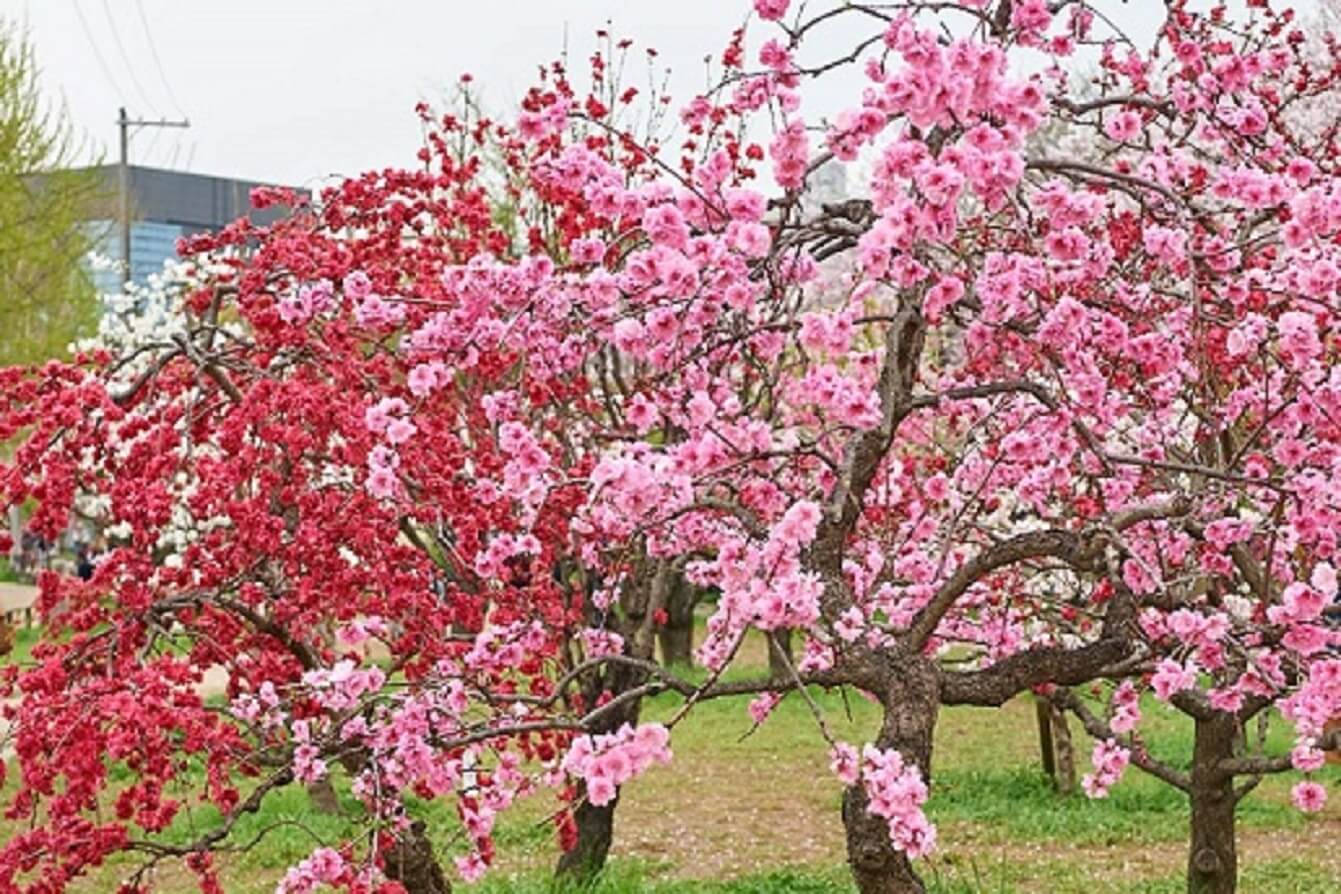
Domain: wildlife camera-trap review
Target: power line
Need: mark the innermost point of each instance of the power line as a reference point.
(158, 62)
(125, 57)
(97, 54)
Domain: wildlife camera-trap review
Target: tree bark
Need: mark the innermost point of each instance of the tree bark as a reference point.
(910, 702)
(1054, 745)
(777, 667)
(676, 636)
(596, 824)
(321, 794)
(1212, 865)
(1043, 714)
(411, 862)
(1064, 751)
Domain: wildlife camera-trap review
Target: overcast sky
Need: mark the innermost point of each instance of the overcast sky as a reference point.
(291, 91)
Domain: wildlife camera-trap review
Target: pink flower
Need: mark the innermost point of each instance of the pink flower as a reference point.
(771, 10)
(744, 205)
(379, 415)
(1136, 576)
(357, 285)
(471, 867)
(850, 625)
(587, 251)
(422, 379)
(799, 524)
(400, 430)
(1123, 126)
(1171, 678)
(1306, 639)
(1324, 579)
(382, 483)
(628, 335)
(1309, 797)
(762, 706)
(844, 763)
(1109, 760)
(1307, 758)
(641, 413)
(750, 239)
(600, 791)
(1227, 700)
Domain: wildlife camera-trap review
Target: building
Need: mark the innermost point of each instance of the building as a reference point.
(164, 207)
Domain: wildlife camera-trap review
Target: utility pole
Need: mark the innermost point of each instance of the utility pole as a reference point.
(125, 124)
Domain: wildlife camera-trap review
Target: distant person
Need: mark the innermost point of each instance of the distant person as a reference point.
(83, 563)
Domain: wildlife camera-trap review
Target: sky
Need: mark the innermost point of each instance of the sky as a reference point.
(295, 91)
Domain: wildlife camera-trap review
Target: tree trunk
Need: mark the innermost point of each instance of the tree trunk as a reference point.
(411, 862)
(596, 824)
(676, 636)
(1212, 865)
(1054, 745)
(1043, 714)
(777, 668)
(595, 832)
(321, 794)
(910, 702)
(1064, 751)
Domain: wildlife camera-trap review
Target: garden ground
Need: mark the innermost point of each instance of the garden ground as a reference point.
(756, 812)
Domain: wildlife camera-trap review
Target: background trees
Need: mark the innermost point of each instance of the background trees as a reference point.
(46, 300)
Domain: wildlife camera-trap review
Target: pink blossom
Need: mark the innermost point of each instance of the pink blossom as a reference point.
(1123, 126)
(398, 431)
(423, 379)
(471, 867)
(771, 9)
(1171, 677)
(1309, 797)
(1306, 758)
(357, 285)
(1228, 700)
(763, 705)
(383, 483)
(843, 761)
(1109, 761)
(799, 524)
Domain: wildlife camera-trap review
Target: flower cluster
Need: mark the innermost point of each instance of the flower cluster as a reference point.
(1109, 761)
(605, 762)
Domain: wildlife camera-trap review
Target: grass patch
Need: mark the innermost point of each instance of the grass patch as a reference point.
(639, 877)
(1019, 804)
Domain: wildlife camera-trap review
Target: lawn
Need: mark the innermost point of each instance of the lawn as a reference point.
(741, 812)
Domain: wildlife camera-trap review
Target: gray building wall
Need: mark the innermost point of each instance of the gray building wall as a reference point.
(165, 206)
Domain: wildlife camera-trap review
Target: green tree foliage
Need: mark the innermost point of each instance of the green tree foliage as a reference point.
(46, 298)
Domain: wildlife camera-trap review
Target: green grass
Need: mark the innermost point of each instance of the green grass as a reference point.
(7, 573)
(24, 640)
(635, 877)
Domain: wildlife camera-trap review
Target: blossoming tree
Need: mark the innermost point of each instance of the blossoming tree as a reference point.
(1052, 413)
